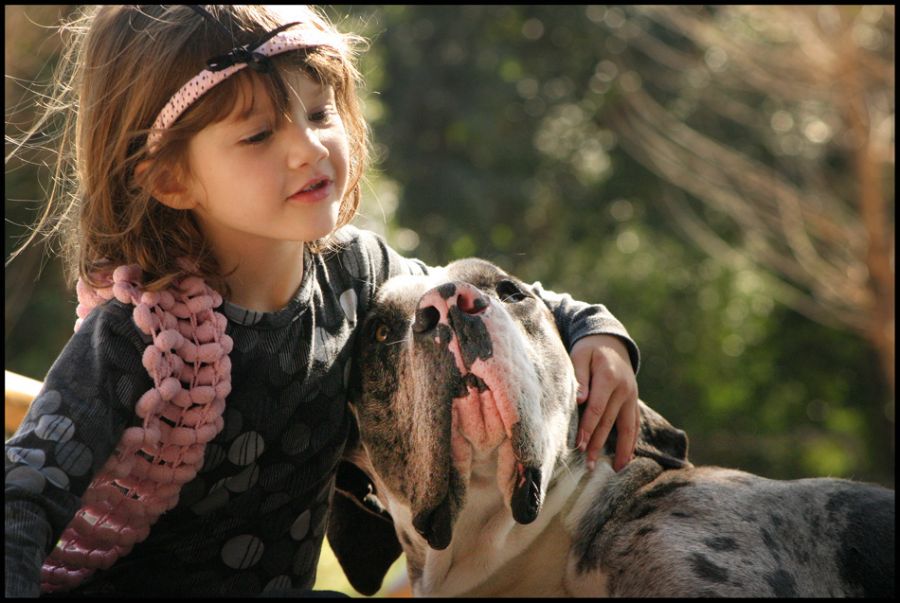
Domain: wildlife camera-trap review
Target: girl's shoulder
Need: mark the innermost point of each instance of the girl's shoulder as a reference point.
(372, 256)
(113, 319)
(353, 238)
(366, 244)
(354, 247)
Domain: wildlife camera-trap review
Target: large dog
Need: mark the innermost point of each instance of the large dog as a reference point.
(465, 461)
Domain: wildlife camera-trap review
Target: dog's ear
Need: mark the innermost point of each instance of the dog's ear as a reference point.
(657, 440)
(660, 440)
(360, 531)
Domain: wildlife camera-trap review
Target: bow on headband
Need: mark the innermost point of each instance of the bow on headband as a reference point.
(242, 54)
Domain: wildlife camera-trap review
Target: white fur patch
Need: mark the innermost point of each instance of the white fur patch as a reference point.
(589, 495)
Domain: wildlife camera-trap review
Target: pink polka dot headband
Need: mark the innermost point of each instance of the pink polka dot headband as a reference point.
(254, 55)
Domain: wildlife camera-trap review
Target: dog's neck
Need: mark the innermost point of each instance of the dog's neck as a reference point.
(485, 525)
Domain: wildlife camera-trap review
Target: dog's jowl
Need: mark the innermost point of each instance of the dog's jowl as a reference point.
(463, 458)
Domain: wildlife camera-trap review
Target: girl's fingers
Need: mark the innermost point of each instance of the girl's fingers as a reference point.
(626, 437)
(581, 362)
(604, 425)
(597, 407)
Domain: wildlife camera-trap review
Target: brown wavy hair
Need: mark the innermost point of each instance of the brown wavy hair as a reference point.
(120, 69)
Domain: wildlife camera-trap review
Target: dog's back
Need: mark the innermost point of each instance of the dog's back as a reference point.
(709, 531)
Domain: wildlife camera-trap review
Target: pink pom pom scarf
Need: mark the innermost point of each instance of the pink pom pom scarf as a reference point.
(188, 361)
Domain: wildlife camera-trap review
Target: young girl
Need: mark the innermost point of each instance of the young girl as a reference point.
(186, 439)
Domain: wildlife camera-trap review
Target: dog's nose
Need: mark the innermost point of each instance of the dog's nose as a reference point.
(434, 306)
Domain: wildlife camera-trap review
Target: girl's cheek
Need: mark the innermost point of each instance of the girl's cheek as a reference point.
(343, 144)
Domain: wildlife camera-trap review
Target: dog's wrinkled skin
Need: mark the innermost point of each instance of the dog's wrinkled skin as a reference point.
(465, 460)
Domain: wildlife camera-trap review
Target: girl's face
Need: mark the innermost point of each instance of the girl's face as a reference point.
(261, 183)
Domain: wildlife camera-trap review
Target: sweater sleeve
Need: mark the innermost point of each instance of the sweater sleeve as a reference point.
(69, 432)
(384, 262)
(577, 319)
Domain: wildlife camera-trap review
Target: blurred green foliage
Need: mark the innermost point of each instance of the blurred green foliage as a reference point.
(489, 123)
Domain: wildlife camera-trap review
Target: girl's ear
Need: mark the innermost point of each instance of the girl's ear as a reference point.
(165, 187)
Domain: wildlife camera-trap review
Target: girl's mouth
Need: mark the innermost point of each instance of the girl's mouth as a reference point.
(315, 191)
(315, 186)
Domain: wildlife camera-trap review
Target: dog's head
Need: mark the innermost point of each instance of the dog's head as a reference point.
(460, 385)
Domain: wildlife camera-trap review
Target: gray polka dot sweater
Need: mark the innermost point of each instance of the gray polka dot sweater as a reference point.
(253, 519)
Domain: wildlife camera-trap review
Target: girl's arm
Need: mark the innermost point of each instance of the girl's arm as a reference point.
(68, 434)
(577, 319)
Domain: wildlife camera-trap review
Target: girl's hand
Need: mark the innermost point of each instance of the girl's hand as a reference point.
(607, 381)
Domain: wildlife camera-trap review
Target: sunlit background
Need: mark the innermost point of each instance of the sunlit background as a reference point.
(722, 178)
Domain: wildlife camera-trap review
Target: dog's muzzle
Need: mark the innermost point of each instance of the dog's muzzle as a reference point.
(460, 317)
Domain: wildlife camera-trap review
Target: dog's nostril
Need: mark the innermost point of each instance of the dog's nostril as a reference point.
(472, 304)
(426, 319)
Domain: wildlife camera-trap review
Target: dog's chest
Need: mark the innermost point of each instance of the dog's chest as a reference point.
(539, 570)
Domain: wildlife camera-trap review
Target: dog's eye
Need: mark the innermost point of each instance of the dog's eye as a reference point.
(381, 333)
(510, 292)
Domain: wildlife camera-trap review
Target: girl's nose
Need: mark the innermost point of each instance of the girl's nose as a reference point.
(306, 148)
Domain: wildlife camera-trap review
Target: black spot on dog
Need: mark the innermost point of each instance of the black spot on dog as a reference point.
(776, 520)
(770, 543)
(444, 334)
(447, 290)
(721, 543)
(646, 530)
(782, 584)
(681, 514)
(866, 556)
(474, 339)
(707, 570)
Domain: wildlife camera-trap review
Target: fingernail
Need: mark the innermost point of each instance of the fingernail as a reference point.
(590, 465)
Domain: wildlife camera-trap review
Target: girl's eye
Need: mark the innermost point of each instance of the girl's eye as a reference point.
(320, 116)
(258, 138)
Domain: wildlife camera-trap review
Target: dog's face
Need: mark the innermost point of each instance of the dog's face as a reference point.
(461, 382)
(464, 400)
